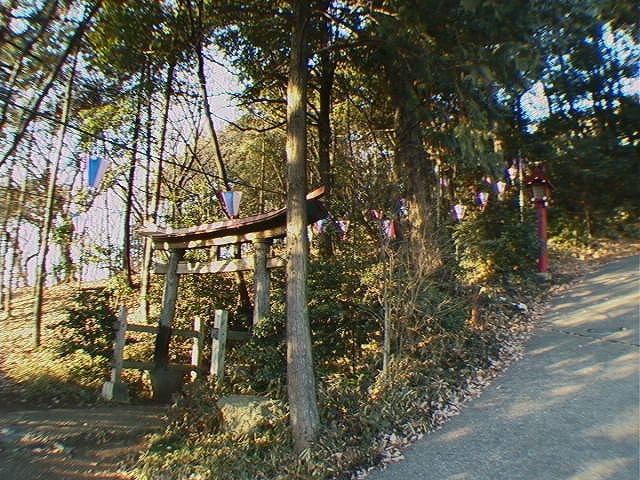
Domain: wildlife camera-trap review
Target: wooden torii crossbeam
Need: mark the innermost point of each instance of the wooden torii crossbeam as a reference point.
(265, 226)
(260, 230)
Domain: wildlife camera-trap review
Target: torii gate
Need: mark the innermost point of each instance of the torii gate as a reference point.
(260, 230)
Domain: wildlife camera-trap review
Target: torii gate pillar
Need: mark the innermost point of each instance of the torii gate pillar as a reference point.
(261, 308)
(162, 379)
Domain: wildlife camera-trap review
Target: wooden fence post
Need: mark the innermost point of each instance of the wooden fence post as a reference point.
(197, 348)
(115, 389)
(262, 281)
(118, 347)
(218, 343)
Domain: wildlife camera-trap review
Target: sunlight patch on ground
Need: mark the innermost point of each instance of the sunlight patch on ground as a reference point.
(566, 390)
(625, 427)
(601, 470)
(456, 434)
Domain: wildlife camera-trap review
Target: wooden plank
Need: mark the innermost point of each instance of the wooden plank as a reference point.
(197, 346)
(236, 335)
(183, 367)
(169, 244)
(265, 225)
(219, 344)
(143, 328)
(220, 266)
(137, 365)
(118, 346)
(180, 332)
(254, 223)
(169, 299)
(262, 280)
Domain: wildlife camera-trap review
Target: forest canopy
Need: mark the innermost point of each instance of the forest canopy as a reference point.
(424, 120)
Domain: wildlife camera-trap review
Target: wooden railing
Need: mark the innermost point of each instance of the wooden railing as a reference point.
(115, 389)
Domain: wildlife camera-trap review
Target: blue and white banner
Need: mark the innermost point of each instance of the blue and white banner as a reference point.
(95, 171)
(231, 201)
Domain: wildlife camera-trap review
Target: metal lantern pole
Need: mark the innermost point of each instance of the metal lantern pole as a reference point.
(543, 258)
(540, 187)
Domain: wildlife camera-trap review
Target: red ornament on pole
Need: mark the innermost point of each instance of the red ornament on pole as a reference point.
(540, 188)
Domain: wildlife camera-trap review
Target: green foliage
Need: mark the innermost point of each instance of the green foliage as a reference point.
(108, 256)
(201, 295)
(88, 325)
(262, 453)
(258, 366)
(127, 32)
(196, 413)
(118, 290)
(339, 314)
(589, 140)
(494, 243)
(357, 410)
(458, 68)
(341, 322)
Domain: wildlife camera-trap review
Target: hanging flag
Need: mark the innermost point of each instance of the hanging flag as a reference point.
(511, 172)
(499, 187)
(231, 202)
(95, 171)
(402, 209)
(343, 227)
(481, 199)
(390, 228)
(457, 212)
(321, 225)
(375, 214)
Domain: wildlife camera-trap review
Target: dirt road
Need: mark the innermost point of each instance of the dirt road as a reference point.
(72, 444)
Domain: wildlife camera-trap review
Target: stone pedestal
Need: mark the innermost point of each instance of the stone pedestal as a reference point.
(243, 413)
(115, 391)
(165, 383)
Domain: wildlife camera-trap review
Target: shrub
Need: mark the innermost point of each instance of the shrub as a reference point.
(77, 380)
(258, 366)
(88, 326)
(196, 413)
(494, 243)
(261, 454)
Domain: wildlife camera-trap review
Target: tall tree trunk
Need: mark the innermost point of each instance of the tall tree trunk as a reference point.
(66, 241)
(5, 239)
(145, 279)
(300, 376)
(41, 264)
(127, 267)
(327, 69)
(202, 82)
(19, 278)
(412, 161)
(243, 291)
(13, 258)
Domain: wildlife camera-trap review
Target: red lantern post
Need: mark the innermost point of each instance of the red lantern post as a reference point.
(540, 187)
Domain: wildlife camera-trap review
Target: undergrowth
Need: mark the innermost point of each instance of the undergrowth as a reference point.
(358, 413)
(366, 414)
